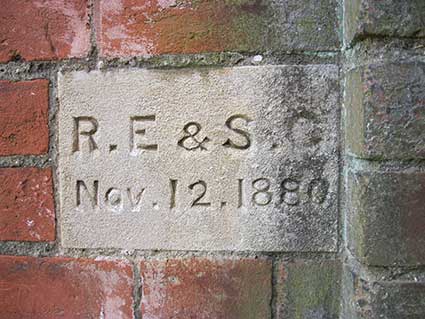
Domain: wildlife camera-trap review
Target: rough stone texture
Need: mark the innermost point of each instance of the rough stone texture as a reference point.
(43, 29)
(385, 111)
(290, 114)
(386, 215)
(39, 288)
(202, 288)
(27, 210)
(140, 27)
(393, 18)
(366, 297)
(309, 289)
(23, 117)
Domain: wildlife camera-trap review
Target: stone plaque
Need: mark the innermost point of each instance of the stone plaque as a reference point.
(242, 158)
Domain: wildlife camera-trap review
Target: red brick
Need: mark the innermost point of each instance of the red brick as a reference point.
(203, 288)
(43, 29)
(24, 117)
(140, 27)
(64, 288)
(26, 204)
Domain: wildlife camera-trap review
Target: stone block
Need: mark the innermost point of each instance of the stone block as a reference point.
(367, 296)
(384, 18)
(386, 215)
(242, 158)
(385, 111)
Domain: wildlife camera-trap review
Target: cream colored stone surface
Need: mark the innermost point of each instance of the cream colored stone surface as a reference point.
(120, 130)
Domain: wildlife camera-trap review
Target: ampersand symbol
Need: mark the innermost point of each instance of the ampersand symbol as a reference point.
(189, 141)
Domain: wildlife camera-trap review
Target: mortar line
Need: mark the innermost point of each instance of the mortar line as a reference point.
(53, 144)
(93, 56)
(274, 295)
(137, 293)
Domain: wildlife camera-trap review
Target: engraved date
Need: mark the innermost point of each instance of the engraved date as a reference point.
(258, 192)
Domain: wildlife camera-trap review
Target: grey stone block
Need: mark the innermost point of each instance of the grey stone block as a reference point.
(385, 111)
(242, 158)
(386, 215)
(366, 296)
(393, 18)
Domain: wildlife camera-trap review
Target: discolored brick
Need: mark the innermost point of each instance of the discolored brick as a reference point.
(24, 117)
(43, 29)
(309, 289)
(40, 288)
(140, 27)
(204, 288)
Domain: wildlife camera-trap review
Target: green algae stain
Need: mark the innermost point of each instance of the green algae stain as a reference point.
(312, 290)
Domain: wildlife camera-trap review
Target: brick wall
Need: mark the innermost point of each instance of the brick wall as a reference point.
(345, 240)
(384, 172)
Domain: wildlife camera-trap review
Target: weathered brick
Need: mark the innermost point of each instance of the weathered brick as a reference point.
(366, 297)
(43, 29)
(27, 210)
(392, 18)
(309, 289)
(203, 288)
(39, 288)
(386, 215)
(140, 27)
(385, 111)
(24, 117)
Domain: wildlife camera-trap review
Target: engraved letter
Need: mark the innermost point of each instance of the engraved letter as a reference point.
(113, 199)
(246, 135)
(189, 141)
(289, 191)
(92, 197)
(173, 183)
(197, 201)
(318, 190)
(84, 121)
(262, 196)
(135, 201)
(134, 146)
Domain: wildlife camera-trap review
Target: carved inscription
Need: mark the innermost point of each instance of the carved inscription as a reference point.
(87, 127)
(292, 192)
(241, 158)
